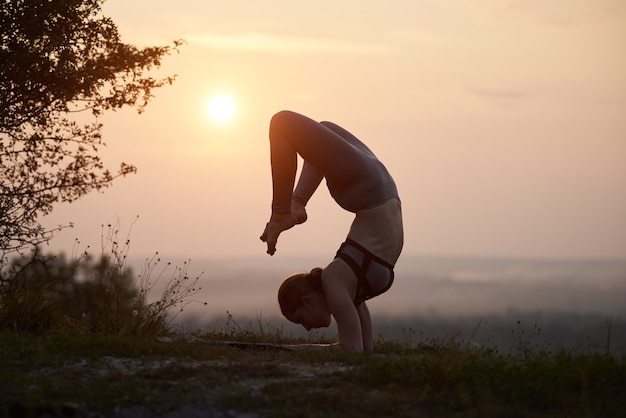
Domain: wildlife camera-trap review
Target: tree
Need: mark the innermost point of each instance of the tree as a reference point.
(62, 64)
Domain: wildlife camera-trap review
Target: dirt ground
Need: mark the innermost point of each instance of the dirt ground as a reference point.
(129, 367)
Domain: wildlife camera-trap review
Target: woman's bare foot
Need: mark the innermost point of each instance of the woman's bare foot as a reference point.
(277, 224)
(298, 212)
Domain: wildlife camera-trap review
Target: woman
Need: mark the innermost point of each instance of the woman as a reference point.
(359, 183)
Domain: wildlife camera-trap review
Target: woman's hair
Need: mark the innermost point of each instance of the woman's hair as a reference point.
(297, 285)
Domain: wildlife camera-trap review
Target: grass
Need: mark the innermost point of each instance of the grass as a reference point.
(107, 370)
(402, 379)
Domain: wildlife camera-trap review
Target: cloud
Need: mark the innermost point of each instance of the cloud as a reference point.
(497, 94)
(502, 98)
(553, 12)
(265, 42)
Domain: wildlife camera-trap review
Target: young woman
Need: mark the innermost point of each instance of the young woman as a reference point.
(359, 183)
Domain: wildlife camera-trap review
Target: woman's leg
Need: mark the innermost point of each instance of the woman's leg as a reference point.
(342, 160)
(309, 181)
(318, 144)
(326, 153)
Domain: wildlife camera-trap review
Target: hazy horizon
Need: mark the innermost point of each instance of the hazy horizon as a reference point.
(573, 302)
(436, 286)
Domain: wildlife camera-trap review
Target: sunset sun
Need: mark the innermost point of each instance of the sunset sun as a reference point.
(221, 108)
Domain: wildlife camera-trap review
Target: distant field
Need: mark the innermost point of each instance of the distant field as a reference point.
(571, 304)
(425, 286)
(551, 331)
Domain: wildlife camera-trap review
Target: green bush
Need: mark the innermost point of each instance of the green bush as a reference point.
(40, 292)
(50, 291)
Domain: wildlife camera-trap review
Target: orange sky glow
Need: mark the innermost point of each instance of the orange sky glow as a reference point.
(503, 123)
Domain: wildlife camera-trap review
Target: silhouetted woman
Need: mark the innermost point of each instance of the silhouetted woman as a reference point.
(359, 183)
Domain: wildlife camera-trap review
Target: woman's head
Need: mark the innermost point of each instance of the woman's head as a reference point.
(295, 287)
(302, 300)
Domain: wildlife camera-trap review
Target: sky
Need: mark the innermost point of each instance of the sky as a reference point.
(503, 123)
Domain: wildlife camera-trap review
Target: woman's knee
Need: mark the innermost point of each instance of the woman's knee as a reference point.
(291, 126)
(281, 119)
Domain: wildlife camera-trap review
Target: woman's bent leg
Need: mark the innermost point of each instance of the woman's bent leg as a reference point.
(318, 145)
(284, 162)
(292, 134)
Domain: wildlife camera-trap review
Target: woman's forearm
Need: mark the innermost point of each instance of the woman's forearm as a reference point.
(366, 327)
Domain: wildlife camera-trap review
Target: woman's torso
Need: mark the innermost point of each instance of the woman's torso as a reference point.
(380, 230)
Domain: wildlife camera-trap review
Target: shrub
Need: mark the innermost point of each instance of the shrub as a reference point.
(102, 294)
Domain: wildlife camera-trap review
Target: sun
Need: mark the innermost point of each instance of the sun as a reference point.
(222, 108)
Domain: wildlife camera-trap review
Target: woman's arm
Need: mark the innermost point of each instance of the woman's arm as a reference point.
(341, 306)
(366, 327)
(348, 323)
